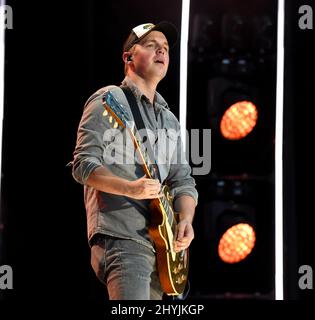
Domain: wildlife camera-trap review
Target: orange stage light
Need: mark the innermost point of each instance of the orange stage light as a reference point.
(239, 120)
(237, 243)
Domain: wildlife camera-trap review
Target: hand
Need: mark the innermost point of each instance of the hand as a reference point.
(144, 188)
(184, 235)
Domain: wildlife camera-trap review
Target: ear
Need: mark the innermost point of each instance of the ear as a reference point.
(125, 56)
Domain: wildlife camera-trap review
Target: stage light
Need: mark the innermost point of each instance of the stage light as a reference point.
(237, 236)
(239, 120)
(237, 243)
(235, 227)
(241, 117)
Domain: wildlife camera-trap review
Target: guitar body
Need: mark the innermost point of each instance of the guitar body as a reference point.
(172, 267)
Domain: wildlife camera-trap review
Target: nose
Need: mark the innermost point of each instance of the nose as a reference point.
(161, 50)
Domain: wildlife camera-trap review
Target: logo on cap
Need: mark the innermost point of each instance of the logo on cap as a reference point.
(148, 26)
(142, 29)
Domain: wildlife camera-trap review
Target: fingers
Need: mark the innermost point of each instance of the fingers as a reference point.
(184, 235)
(180, 233)
(148, 188)
(155, 195)
(183, 229)
(151, 182)
(180, 245)
(152, 188)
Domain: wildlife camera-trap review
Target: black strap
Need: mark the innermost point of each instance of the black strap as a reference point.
(142, 129)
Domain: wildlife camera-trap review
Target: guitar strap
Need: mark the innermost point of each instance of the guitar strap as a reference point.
(141, 129)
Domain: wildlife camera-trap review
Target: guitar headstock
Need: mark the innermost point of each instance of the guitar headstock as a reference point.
(115, 112)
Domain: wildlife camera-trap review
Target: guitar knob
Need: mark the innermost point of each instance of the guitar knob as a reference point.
(179, 280)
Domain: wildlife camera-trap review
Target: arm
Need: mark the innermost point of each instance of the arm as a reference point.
(182, 186)
(185, 205)
(89, 166)
(103, 180)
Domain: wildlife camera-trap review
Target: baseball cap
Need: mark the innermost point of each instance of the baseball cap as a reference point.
(139, 32)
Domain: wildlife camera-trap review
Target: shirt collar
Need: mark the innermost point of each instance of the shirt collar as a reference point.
(159, 101)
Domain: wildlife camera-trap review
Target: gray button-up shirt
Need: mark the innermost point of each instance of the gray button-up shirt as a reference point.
(99, 145)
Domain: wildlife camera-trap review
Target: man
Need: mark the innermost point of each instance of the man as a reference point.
(117, 194)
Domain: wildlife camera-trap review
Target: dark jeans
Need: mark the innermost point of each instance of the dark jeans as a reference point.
(127, 268)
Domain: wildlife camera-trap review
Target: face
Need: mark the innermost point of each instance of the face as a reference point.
(151, 56)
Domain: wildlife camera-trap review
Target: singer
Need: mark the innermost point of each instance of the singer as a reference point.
(118, 196)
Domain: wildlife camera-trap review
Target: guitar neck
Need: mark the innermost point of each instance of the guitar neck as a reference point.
(148, 168)
(150, 172)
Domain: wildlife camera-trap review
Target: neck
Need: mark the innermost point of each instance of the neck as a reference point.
(147, 87)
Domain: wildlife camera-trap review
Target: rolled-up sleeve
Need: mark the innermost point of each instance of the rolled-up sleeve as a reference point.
(179, 178)
(88, 153)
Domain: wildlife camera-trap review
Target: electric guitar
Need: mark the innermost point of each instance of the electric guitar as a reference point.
(172, 267)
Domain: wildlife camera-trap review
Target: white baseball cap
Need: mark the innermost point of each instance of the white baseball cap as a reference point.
(140, 31)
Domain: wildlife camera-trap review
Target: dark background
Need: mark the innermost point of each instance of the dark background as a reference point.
(57, 55)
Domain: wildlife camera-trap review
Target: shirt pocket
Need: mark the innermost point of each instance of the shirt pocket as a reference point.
(166, 146)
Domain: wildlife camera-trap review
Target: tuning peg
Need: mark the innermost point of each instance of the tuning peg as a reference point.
(105, 113)
(115, 125)
(110, 119)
